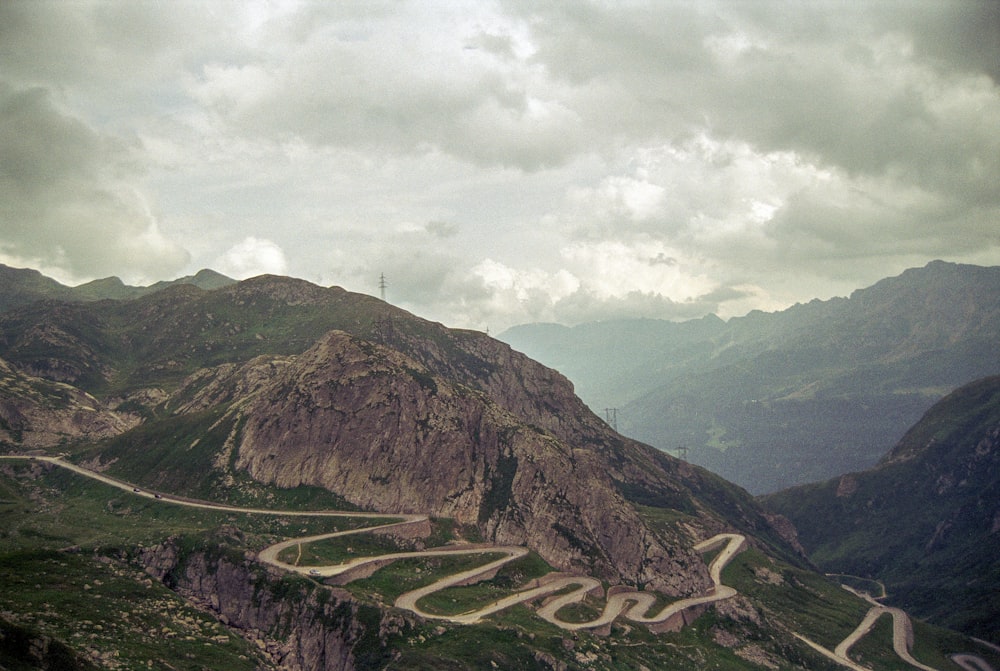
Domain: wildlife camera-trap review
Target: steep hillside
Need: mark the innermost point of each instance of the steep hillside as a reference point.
(21, 286)
(926, 520)
(772, 400)
(380, 429)
(388, 411)
(37, 413)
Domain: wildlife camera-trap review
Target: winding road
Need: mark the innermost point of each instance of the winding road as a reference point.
(632, 605)
(902, 639)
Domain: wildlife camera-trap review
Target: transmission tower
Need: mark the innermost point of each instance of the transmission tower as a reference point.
(611, 414)
(682, 452)
(382, 285)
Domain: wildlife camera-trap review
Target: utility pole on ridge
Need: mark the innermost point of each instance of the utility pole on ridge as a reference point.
(612, 417)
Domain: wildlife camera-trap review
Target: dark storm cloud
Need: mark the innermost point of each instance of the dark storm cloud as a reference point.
(840, 82)
(66, 195)
(637, 158)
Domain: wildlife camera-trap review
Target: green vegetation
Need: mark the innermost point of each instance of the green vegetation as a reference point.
(920, 521)
(872, 588)
(404, 575)
(78, 595)
(825, 613)
(509, 579)
(63, 547)
(587, 610)
(339, 550)
(46, 507)
(811, 605)
(178, 455)
(115, 615)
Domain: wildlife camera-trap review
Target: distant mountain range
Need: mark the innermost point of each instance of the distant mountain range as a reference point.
(771, 400)
(925, 520)
(22, 286)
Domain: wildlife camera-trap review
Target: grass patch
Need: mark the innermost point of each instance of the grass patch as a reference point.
(339, 550)
(56, 509)
(587, 610)
(404, 575)
(509, 579)
(113, 615)
(178, 455)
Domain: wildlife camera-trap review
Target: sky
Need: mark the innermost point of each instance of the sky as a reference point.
(509, 161)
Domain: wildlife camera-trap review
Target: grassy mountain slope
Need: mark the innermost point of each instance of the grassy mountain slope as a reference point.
(103, 577)
(279, 393)
(771, 400)
(926, 520)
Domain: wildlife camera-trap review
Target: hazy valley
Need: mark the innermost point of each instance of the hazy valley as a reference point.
(771, 400)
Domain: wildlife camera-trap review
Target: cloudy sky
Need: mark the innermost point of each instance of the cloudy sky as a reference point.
(504, 161)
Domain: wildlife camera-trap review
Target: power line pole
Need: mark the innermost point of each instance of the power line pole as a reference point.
(611, 414)
(382, 285)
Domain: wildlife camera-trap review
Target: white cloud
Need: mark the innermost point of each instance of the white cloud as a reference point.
(71, 196)
(252, 256)
(504, 160)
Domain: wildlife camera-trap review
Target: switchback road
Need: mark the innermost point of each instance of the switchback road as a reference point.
(619, 602)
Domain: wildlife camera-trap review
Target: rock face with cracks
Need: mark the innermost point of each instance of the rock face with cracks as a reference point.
(35, 412)
(328, 627)
(384, 431)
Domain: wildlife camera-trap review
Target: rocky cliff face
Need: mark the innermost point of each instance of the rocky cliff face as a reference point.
(299, 626)
(36, 413)
(384, 431)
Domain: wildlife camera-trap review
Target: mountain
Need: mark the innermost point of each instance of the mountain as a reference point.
(23, 286)
(419, 416)
(274, 394)
(925, 521)
(771, 400)
(36, 412)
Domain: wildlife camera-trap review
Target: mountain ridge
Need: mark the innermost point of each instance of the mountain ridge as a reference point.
(274, 389)
(773, 399)
(24, 285)
(183, 350)
(925, 519)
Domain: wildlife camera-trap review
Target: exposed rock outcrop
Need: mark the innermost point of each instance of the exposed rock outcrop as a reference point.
(299, 626)
(38, 413)
(377, 427)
